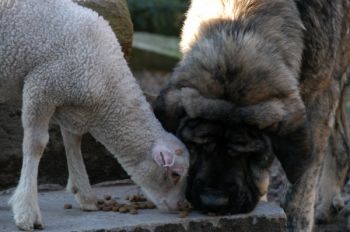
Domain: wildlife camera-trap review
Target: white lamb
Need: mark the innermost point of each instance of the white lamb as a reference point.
(64, 63)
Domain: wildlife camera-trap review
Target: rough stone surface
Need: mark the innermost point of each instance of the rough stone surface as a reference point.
(266, 217)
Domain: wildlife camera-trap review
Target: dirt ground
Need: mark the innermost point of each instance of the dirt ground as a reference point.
(151, 83)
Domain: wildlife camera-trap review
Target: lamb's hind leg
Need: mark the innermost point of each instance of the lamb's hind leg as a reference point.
(35, 118)
(78, 182)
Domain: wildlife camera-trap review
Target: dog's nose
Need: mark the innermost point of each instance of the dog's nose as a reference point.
(214, 200)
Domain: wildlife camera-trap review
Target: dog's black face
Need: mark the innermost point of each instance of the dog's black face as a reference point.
(229, 166)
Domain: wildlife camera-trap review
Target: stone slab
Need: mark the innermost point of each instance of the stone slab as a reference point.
(266, 217)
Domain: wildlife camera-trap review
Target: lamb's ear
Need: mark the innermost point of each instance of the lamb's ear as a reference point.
(168, 108)
(294, 151)
(166, 159)
(163, 156)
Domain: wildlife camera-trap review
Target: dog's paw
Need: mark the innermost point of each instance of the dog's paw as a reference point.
(322, 217)
(191, 101)
(337, 204)
(325, 213)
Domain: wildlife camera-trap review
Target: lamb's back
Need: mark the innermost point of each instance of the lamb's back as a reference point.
(36, 32)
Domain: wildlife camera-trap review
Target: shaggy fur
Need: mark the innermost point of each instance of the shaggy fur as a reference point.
(277, 66)
(64, 63)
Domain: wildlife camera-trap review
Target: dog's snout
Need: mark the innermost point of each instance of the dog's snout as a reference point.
(214, 200)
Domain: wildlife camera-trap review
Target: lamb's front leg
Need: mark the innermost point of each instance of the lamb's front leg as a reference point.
(25, 199)
(78, 182)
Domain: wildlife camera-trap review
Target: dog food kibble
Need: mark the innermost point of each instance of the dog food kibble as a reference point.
(115, 209)
(136, 202)
(123, 209)
(150, 205)
(67, 206)
(100, 202)
(183, 214)
(108, 197)
(112, 202)
(136, 198)
(184, 206)
(107, 208)
(134, 211)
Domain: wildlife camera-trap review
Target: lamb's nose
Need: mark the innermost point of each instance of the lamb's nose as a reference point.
(214, 200)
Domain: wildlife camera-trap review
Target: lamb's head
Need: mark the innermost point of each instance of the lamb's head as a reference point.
(166, 170)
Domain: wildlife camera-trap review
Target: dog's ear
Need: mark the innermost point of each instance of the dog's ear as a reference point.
(199, 131)
(168, 108)
(294, 151)
(284, 119)
(150, 97)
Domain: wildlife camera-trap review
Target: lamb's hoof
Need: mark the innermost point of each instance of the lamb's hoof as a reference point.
(27, 220)
(38, 226)
(29, 226)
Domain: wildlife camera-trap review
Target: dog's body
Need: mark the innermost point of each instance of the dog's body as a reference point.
(278, 67)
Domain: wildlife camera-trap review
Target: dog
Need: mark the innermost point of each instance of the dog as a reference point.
(272, 72)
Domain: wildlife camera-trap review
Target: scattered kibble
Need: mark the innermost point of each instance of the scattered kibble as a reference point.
(136, 202)
(115, 209)
(136, 198)
(107, 208)
(134, 211)
(67, 206)
(112, 202)
(100, 202)
(123, 209)
(183, 214)
(150, 205)
(108, 197)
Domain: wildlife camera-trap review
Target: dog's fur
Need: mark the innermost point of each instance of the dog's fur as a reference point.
(276, 66)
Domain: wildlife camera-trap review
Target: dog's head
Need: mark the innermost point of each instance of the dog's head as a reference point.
(246, 88)
(229, 166)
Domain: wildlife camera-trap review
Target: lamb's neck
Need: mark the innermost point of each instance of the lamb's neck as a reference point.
(130, 128)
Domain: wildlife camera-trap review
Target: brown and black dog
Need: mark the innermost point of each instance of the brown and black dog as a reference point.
(260, 78)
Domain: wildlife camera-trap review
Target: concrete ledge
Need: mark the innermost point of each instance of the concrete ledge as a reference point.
(266, 217)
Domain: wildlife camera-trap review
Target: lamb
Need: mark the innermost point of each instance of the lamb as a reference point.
(64, 63)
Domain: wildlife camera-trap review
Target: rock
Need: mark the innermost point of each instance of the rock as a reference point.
(116, 12)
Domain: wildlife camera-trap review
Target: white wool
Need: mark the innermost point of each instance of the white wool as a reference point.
(65, 64)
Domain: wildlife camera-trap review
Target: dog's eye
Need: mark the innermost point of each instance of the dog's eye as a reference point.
(176, 177)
